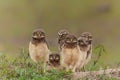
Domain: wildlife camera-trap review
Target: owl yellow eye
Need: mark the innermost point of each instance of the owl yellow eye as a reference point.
(35, 35)
(90, 36)
(83, 36)
(57, 58)
(74, 40)
(42, 35)
(81, 43)
(68, 41)
(38, 33)
(51, 58)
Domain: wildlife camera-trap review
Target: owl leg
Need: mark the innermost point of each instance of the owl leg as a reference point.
(84, 69)
(69, 68)
(63, 65)
(74, 69)
(44, 67)
(66, 67)
(34, 59)
(45, 63)
(79, 65)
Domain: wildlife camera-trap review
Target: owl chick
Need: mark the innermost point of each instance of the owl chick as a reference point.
(85, 44)
(71, 56)
(61, 36)
(54, 60)
(38, 48)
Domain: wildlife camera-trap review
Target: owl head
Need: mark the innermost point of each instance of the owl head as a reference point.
(63, 33)
(70, 41)
(87, 36)
(38, 34)
(54, 58)
(85, 39)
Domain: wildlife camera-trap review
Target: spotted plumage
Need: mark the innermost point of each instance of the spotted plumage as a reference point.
(38, 48)
(54, 60)
(85, 44)
(61, 37)
(71, 56)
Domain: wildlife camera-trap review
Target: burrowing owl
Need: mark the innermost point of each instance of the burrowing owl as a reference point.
(38, 48)
(85, 44)
(61, 36)
(54, 60)
(71, 56)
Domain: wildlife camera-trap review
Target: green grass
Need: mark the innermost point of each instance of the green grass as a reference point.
(22, 68)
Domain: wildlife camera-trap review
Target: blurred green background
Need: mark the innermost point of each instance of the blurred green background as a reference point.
(18, 18)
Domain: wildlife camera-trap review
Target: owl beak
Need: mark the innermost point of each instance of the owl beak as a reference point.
(84, 41)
